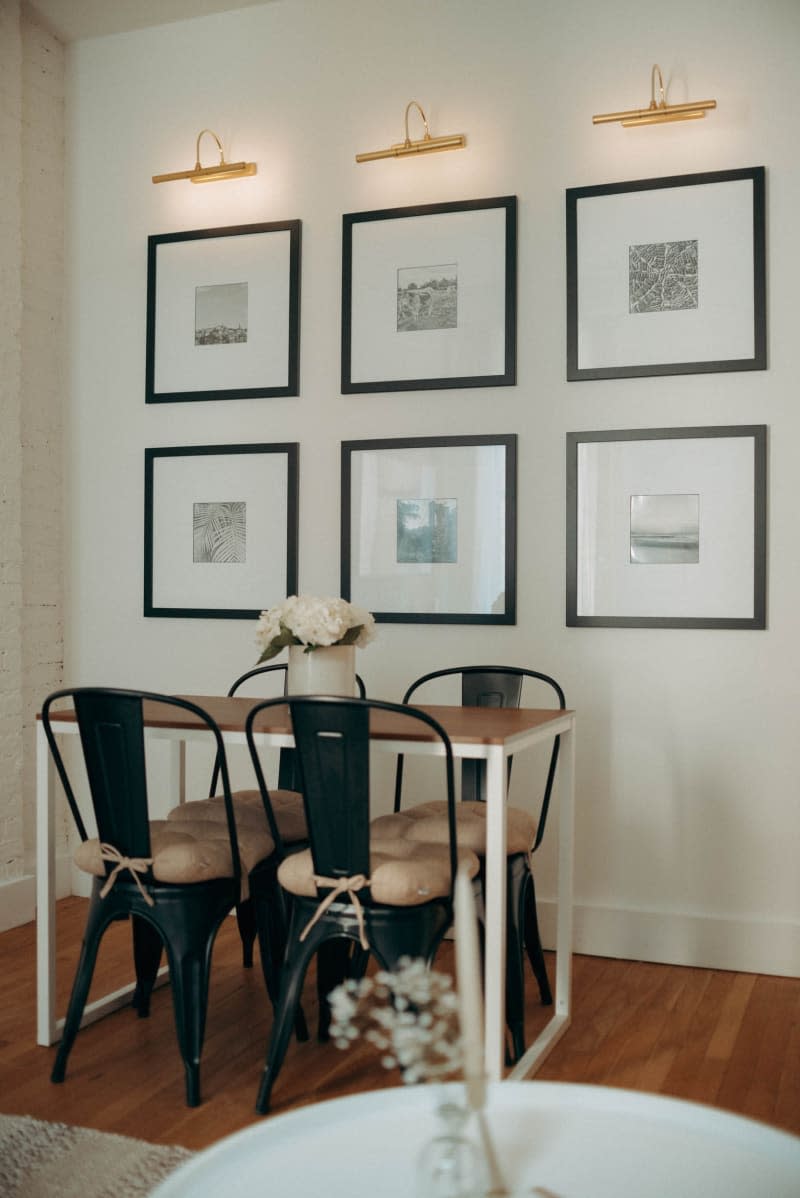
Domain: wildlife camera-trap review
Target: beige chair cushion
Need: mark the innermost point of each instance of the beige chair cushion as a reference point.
(428, 822)
(287, 806)
(192, 851)
(403, 873)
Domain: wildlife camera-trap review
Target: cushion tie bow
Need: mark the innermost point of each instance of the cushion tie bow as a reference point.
(348, 886)
(134, 865)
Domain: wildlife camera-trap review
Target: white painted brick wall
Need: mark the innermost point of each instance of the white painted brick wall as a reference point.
(31, 364)
(11, 846)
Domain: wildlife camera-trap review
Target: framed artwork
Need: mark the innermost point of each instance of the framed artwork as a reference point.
(223, 313)
(429, 296)
(666, 528)
(220, 529)
(667, 276)
(429, 529)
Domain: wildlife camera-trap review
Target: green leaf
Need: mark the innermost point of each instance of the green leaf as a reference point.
(352, 635)
(284, 638)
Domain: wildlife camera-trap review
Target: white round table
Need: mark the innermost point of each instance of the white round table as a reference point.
(552, 1139)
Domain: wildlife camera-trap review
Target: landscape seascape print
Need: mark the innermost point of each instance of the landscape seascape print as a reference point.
(219, 533)
(665, 530)
(427, 530)
(427, 298)
(220, 314)
(662, 276)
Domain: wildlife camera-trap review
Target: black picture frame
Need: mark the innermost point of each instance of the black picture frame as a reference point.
(209, 506)
(667, 276)
(460, 258)
(688, 501)
(429, 528)
(249, 272)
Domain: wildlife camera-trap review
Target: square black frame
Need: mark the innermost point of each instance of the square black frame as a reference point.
(292, 286)
(757, 360)
(507, 327)
(506, 518)
(151, 457)
(758, 434)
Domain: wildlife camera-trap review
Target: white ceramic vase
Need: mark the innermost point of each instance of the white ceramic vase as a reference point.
(329, 670)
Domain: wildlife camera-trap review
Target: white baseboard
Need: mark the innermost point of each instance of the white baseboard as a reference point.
(673, 938)
(18, 898)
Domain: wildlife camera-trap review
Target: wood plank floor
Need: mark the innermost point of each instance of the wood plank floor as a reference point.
(728, 1039)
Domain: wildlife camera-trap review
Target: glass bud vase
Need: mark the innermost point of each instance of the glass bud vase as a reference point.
(328, 670)
(451, 1165)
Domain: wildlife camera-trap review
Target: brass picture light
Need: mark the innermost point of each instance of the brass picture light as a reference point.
(659, 111)
(424, 145)
(209, 174)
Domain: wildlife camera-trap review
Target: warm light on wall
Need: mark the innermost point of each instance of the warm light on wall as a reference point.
(210, 174)
(659, 112)
(425, 145)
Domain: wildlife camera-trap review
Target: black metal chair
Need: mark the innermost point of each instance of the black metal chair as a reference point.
(392, 898)
(287, 806)
(176, 884)
(497, 686)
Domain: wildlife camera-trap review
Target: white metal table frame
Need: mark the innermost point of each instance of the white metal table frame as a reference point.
(495, 755)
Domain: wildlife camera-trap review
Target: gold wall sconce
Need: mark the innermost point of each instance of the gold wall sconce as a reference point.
(659, 111)
(210, 174)
(424, 145)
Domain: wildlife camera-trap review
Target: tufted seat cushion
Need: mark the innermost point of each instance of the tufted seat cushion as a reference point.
(403, 873)
(190, 851)
(428, 822)
(287, 806)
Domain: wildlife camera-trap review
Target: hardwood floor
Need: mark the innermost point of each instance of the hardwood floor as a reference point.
(728, 1039)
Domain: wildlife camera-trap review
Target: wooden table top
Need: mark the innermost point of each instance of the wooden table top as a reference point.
(464, 725)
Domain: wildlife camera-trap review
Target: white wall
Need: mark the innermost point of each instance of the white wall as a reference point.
(687, 825)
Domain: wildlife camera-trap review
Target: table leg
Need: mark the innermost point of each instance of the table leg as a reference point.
(555, 1028)
(45, 893)
(495, 916)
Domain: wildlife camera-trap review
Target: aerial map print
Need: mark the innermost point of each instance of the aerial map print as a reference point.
(662, 276)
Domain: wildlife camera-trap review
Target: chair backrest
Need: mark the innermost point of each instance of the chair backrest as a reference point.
(332, 742)
(490, 686)
(111, 726)
(287, 775)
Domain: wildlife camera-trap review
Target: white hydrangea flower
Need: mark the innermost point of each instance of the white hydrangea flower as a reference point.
(314, 622)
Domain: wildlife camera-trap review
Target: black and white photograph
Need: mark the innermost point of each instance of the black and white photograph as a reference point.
(662, 276)
(667, 276)
(220, 533)
(220, 529)
(223, 313)
(220, 314)
(666, 527)
(429, 528)
(429, 296)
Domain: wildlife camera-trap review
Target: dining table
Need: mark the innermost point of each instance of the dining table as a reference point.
(491, 734)
(549, 1139)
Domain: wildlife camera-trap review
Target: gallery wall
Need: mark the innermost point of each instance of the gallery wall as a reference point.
(686, 825)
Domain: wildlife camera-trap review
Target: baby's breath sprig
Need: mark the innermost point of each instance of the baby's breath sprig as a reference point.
(409, 1015)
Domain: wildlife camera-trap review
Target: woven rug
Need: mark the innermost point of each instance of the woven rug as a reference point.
(55, 1160)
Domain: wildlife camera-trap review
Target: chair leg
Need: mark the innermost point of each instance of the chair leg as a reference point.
(515, 974)
(96, 923)
(333, 966)
(246, 921)
(270, 913)
(147, 949)
(294, 971)
(533, 943)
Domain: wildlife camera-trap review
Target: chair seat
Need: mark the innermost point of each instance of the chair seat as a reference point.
(192, 851)
(403, 873)
(248, 807)
(428, 822)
